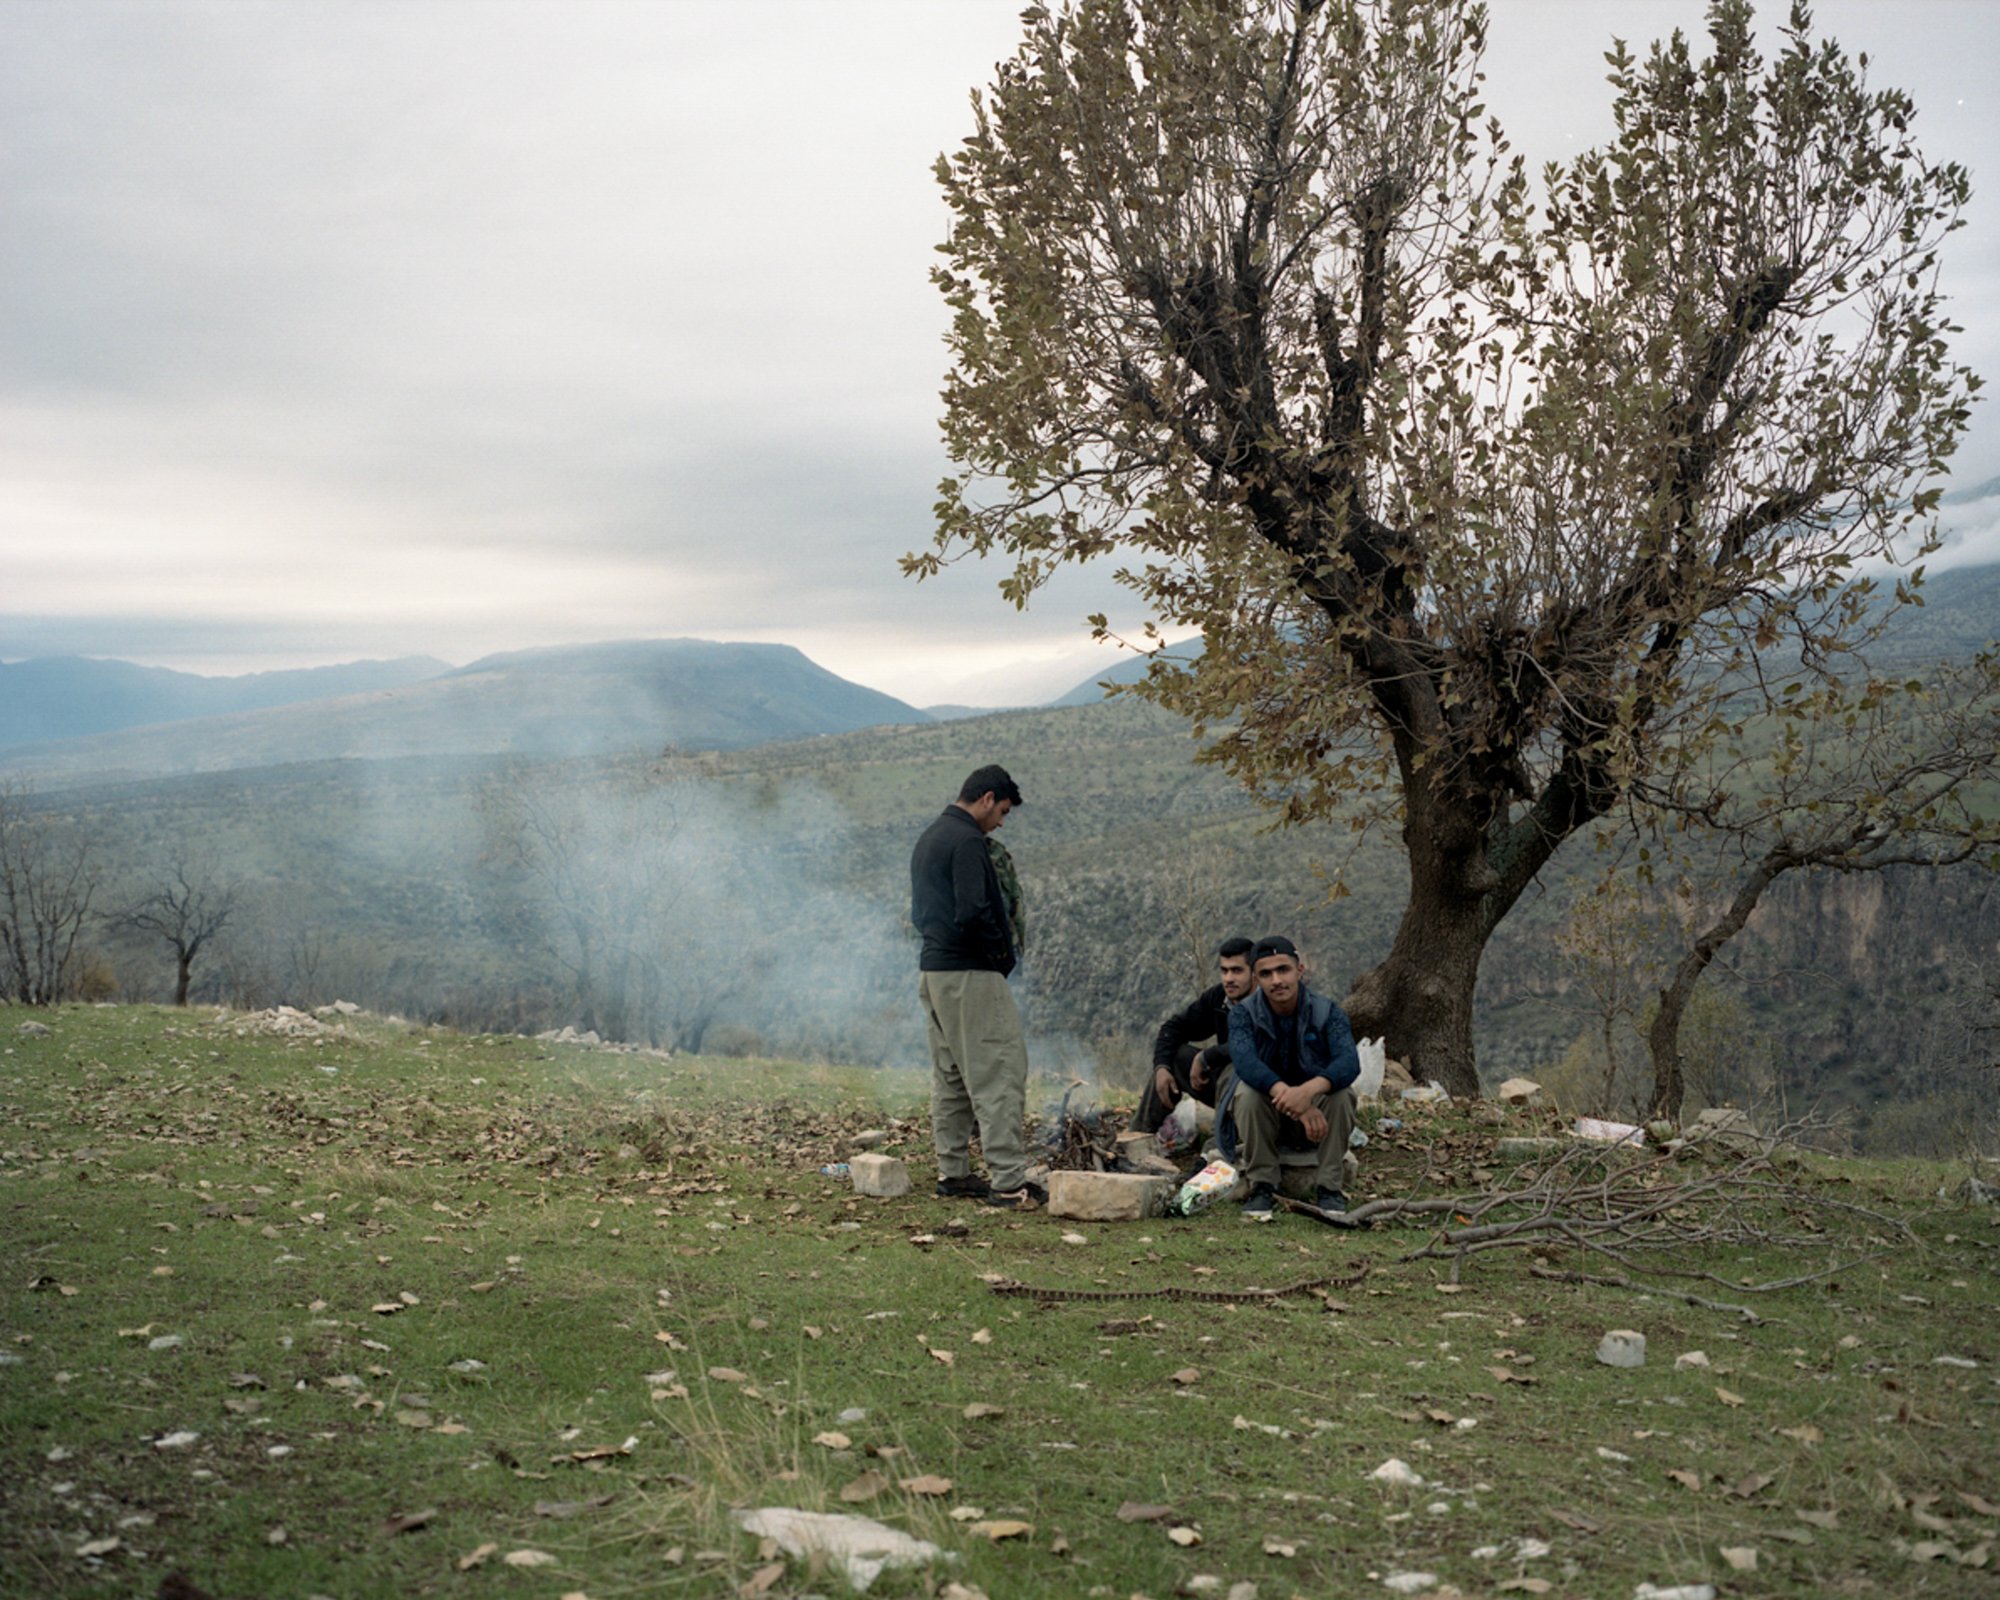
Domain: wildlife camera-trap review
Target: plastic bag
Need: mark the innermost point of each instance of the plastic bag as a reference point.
(1216, 1181)
(1181, 1127)
(1374, 1058)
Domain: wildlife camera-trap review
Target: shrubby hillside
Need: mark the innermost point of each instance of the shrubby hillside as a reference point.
(755, 901)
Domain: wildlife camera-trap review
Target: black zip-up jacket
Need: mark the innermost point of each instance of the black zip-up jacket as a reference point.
(955, 899)
(1206, 1018)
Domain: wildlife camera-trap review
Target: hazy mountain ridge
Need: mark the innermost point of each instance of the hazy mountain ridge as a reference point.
(549, 703)
(53, 698)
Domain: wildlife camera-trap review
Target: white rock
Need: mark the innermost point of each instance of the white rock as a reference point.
(166, 1341)
(1108, 1196)
(1397, 1471)
(1621, 1347)
(180, 1439)
(1679, 1591)
(882, 1176)
(1410, 1582)
(1691, 1358)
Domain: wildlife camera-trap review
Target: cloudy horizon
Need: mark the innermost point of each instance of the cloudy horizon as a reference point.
(434, 328)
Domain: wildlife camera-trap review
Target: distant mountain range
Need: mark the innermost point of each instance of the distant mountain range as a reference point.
(66, 697)
(564, 701)
(70, 718)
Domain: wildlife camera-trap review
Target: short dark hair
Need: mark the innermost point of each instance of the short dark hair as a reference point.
(991, 780)
(1238, 946)
(1274, 944)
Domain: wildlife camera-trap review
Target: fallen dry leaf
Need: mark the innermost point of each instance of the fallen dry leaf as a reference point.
(1686, 1479)
(866, 1487)
(760, 1581)
(476, 1558)
(929, 1483)
(409, 1521)
(1278, 1547)
(1188, 1375)
(1728, 1397)
(1526, 1585)
(1741, 1557)
(1184, 1536)
(728, 1375)
(983, 1336)
(944, 1356)
(98, 1547)
(1134, 1511)
(388, 1308)
(1805, 1433)
(1569, 1519)
(528, 1558)
(979, 1408)
(1979, 1503)
(1508, 1375)
(1006, 1529)
(1749, 1484)
(832, 1440)
(1829, 1520)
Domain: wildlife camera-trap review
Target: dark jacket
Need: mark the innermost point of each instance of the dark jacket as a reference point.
(1326, 1050)
(955, 899)
(1206, 1018)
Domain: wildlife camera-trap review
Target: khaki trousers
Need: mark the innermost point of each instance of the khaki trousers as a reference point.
(979, 1074)
(1260, 1125)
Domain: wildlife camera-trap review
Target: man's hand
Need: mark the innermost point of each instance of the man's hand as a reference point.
(1296, 1101)
(1314, 1123)
(1165, 1087)
(1198, 1071)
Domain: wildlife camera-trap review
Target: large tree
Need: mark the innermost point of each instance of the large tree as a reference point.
(186, 908)
(1473, 484)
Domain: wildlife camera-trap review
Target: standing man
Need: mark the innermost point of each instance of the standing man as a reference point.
(1293, 1059)
(1180, 1065)
(979, 1061)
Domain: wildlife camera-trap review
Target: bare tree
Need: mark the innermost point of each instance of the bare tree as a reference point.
(187, 907)
(1843, 775)
(48, 878)
(1473, 485)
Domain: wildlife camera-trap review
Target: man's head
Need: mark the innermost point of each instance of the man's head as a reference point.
(1232, 960)
(988, 795)
(1280, 972)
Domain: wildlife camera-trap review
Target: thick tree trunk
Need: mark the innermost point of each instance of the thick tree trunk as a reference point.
(1419, 1000)
(183, 967)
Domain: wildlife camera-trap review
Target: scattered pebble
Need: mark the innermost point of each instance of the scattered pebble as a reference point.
(1410, 1582)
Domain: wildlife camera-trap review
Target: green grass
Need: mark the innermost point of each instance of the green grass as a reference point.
(585, 1223)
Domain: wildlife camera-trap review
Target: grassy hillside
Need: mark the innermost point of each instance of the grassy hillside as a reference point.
(360, 1309)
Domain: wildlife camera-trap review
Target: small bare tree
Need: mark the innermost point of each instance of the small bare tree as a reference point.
(188, 908)
(1861, 774)
(47, 881)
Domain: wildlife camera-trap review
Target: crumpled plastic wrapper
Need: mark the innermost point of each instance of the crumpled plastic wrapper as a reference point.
(859, 1546)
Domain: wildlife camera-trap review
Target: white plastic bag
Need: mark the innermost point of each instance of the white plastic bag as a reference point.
(1374, 1058)
(1216, 1182)
(1182, 1126)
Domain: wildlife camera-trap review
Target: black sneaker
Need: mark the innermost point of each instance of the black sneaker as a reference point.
(1029, 1197)
(1331, 1200)
(1262, 1203)
(969, 1187)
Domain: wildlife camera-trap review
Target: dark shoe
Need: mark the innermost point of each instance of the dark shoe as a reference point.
(969, 1187)
(1029, 1197)
(1331, 1200)
(1262, 1203)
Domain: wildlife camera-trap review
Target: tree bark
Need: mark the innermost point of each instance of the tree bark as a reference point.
(1663, 1038)
(1419, 1000)
(183, 967)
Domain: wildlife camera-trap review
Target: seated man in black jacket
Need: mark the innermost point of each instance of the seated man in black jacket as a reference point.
(1183, 1061)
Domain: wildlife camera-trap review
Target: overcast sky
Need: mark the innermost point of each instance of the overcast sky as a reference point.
(345, 328)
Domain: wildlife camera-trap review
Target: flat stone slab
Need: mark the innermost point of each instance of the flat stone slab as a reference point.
(881, 1176)
(1108, 1196)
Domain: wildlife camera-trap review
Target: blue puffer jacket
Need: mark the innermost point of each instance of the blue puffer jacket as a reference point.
(1326, 1050)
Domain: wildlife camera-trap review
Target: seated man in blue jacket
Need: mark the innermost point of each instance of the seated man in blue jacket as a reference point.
(1294, 1064)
